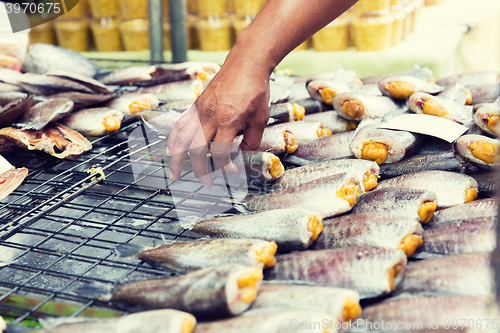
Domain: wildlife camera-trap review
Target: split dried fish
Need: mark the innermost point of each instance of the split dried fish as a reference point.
(175, 91)
(133, 103)
(371, 229)
(10, 180)
(82, 100)
(7, 97)
(479, 150)
(357, 107)
(411, 203)
(14, 110)
(290, 229)
(95, 85)
(9, 76)
(424, 103)
(476, 208)
(7, 87)
(94, 122)
(49, 85)
(41, 114)
(371, 271)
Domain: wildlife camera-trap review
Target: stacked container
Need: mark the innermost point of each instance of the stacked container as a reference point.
(104, 25)
(335, 36)
(244, 13)
(213, 26)
(72, 28)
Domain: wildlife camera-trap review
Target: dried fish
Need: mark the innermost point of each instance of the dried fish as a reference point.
(449, 275)
(365, 171)
(383, 145)
(487, 182)
(175, 91)
(217, 291)
(95, 85)
(472, 79)
(285, 112)
(458, 93)
(330, 196)
(325, 90)
(332, 121)
(479, 150)
(371, 229)
(414, 204)
(342, 304)
(485, 93)
(261, 167)
(49, 85)
(354, 106)
(14, 110)
(133, 103)
(424, 103)
(487, 116)
(41, 114)
(276, 140)
(403, 86)
(94, 122)
(305, 130)
(290, 229)
(278, 92)
(370, 89)
(10, 180)
(422, 73)
(9, 76)
(56, 140)
(371, 271)
(310, 105)
(476, 208)
(82, 100)
(7, 97)
(7, 87)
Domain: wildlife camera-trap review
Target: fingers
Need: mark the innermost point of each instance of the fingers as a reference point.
(221, 150)
(185, 119)
(199, 159)
(252, 136)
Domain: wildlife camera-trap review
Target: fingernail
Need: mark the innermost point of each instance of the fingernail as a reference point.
(168, 151)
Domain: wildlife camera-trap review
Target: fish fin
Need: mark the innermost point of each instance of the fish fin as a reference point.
(11, 328)
(50, 323)
(426, 255)
(131, 251)
(98, 290)
(241, 208)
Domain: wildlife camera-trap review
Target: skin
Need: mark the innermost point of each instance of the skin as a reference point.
(237, 97)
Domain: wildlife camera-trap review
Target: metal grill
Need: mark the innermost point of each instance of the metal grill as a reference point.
(58, 230)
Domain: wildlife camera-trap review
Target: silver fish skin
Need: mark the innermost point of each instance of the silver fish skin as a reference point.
(465, 148)
(43, 58)
(456, 237)
(276, 297)
(458, 93)
(133, 103)
(367, 229)
(331, 147)
(370, 89)
(10, 180)
(423, 103)
(303, 130)
(41, 114)
(487, 182)
(82, 100)
(288, 228)
(331, 120)
(450, 187)
(486, 116)
(361, 106)
(206, 293)
(9, 76)
(94, 122)
(49, 85)
(296, 176)
(7, 97)
(485, 93)
(471, 79)
(282, 112)
(318, 195)
(175, 91)
(154, 321)
(401, 201)
(95, 85)
(14, 110)
(477, 208)
(462, 274)
(400, 144)
(337, 86)
(391, 86)
(310, 105)
(415, 310)
(365, 269)
(282, 322)
(7, 87)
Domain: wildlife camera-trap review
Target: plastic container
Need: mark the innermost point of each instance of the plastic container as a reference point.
(209, 8)
(334, 36)
(373, 31)
(363, 6)
(193, 41)
(399, 15)
(43, 33)
(106, 34)
(417, 5)
(214, 33)
(103, 8)
(135, 34)
(192, 6)
(166, 10)
(134, 9)
(408, 9)
(80, 10)
(248, 7)
(73, 34)
(395, 2)
(166, 36)
(13, 46)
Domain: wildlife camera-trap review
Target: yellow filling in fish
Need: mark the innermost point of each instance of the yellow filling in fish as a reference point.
(369, 181)
(410, 244)
(291, 142)
(352, 309)
(353, 109)
(493, 124)
(400, 89)
(485, 151)
(327, 94)
(374, 151)
(266, 255)
(314, 226)
(393, 273)
(432, 80)
(433, 108)
(202, 76)
(358, 81)
(111, 124)
(426, 211)
(139, 106)
(187, 326)
(197, 89)
(351, 125)
(349, 192)
(298, 111)
(323, 132)
(276, 169)
(469, 97)
(470, 195)
(247, 285)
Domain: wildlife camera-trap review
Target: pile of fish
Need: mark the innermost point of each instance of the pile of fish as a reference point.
(364, 225)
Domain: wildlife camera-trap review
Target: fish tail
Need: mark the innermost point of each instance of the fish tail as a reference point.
(131, 251)
(98, 290)
(11, 328)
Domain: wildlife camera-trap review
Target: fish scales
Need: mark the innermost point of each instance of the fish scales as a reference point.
(476, 208)
(487, 182)
(471, 79)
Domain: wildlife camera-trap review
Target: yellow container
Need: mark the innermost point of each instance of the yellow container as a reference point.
(373, 31)
(193, 41)
(73, 34)
(395, 2)
(103, 8)
(135, 34)
(134, 9)
(371, 5)
(166, 36)
(417, 4)
(106, 34)
(43, 33)
(166, 10)
(408, 9)
(208, 8)
(398, 25)
(302, 47)
(214, 33)
(192, 6)
(248, 7)
(239, 24)
(80, 10)
(333, 37)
